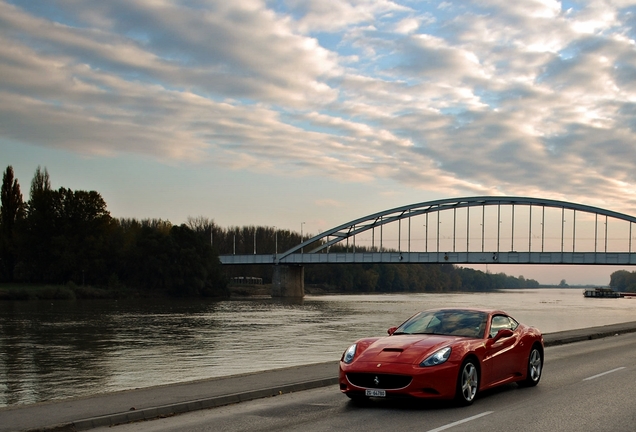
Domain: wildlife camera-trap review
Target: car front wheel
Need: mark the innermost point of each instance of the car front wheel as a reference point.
(535, 368)
(467, 383)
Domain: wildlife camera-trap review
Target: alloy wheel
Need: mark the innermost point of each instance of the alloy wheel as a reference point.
(534, 365)
(469, 382)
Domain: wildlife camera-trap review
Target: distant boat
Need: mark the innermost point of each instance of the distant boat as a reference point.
(601, 293)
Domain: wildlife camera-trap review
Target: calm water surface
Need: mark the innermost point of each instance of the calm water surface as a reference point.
(54, 350)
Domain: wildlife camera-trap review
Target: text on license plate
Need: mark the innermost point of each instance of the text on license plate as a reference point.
(375, 393)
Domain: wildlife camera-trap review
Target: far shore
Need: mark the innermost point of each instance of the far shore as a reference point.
(71, 291)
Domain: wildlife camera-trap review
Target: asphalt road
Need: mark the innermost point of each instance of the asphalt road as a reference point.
(586, 386)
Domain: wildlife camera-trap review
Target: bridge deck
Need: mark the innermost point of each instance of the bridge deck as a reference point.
(582, 258)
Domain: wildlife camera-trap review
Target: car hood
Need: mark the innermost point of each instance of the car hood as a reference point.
(405, 348)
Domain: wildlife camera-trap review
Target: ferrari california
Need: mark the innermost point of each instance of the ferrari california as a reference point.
(444, 354)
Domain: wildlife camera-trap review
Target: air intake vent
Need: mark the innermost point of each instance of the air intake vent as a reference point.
(382, 381)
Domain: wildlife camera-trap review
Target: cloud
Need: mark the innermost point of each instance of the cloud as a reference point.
(238, 49)
(485, 97)
(407, 25)
(338, 15)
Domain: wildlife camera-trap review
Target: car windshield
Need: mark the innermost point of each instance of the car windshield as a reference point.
(446, 322)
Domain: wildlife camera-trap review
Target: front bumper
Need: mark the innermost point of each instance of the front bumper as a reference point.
(398, 379)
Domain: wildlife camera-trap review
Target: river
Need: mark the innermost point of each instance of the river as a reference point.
(59, 349)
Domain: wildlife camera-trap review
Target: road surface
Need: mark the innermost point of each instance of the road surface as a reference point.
(586, 386)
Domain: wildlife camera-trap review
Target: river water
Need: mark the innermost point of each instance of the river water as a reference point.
(53, 350)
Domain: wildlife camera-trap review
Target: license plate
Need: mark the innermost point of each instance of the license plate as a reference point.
(375, 393)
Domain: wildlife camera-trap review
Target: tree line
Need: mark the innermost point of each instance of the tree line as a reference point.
(623, 281)
(390, 278)
(61, 236)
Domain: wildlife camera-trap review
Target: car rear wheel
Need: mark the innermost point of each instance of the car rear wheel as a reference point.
(467, 383)
(535, 368)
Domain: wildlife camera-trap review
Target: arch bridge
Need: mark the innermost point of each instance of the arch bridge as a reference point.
(472, 230)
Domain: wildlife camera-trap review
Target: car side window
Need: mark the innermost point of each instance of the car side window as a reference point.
(500, 322)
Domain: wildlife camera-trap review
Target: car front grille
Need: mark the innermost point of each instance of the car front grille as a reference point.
(379, 381)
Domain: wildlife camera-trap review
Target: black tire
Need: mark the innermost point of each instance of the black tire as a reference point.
(467, 383)
(535, 368)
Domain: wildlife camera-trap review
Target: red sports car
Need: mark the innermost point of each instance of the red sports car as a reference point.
(444, 354)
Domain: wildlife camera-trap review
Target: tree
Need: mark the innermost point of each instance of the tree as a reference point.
(194, 268)
(179, 262)
(11, 213)
(65, 235)
(622, 280)
(37, 246)
(204, 227)
(83, 228)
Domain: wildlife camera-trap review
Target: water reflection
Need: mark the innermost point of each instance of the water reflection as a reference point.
(73, 348)
(42, 342)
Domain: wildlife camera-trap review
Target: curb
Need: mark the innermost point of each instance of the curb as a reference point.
(180, 408)
(550, 339)
(571, 336)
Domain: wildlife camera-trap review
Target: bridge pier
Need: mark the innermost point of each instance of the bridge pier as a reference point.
(288, 281)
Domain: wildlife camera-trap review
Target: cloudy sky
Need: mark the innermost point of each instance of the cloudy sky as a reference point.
(317, 112)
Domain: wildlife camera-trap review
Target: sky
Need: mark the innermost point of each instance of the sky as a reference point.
(311, 113)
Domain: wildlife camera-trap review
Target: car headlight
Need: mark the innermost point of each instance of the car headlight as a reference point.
(348, 355)
(437, 358)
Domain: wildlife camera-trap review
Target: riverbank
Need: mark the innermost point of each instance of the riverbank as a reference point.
(70, 291)
(77, 414)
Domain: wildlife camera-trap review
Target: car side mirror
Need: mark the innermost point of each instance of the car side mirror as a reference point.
(503, 333)
(391, 330)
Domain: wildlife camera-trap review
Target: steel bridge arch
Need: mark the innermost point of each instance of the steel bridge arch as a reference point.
(360, 225)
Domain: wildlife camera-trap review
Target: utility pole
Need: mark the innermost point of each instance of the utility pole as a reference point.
(301, 235)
